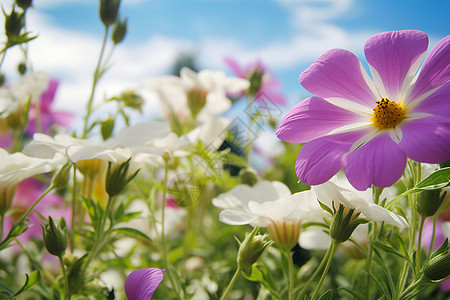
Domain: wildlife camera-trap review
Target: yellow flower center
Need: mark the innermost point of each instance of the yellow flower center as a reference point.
(388, 114)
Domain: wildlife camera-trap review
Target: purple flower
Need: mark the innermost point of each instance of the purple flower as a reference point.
(142, 283)
(366, 127)
(47, 116)
(265, 86)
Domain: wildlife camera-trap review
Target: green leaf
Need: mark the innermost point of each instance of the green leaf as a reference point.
(324, 207)
(353, 292)
(133, 233)
(326, 295)
(437, 180)
(389, 249)
(30, 280)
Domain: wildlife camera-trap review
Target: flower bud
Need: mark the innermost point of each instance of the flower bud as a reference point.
(55, 237)
(6, 197)
(22, 68)
(251, 248)
(284, 233)
(117, 178)
(343, 223)
(249, 176)
(24, 4)
(428, 202)
(196, 100)
(438, 266)
(61, 178)
(91, 167)
(108, 11)
(119, 31)
(13, 25)
(106, 128)
(256, 79)
(132, 99)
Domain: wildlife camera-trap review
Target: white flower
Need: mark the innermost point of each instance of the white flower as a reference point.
(341, 192)
(130, 140)
(201, 94)
(271, 205)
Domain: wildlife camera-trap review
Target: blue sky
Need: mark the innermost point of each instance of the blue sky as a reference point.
(287, 35)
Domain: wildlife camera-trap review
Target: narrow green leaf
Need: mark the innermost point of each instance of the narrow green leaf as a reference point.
(30, 280)
(326, 295)
(133, 233)
(325, 207)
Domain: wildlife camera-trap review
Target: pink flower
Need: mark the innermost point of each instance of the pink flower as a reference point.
(369, 128)
(264, 84)
(28, 191)
(142, 283)
(47, 116)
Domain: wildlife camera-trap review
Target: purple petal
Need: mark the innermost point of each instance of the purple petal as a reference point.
(338, 73)
(234, 66)
(312, 118)
(379, 161)
(142, 283)
(435, 70)
(392, 54)
(321, 158)
(427, 140)
(437, 103)
(48, 96)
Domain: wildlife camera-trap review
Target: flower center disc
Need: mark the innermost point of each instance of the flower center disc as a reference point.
(387, 114)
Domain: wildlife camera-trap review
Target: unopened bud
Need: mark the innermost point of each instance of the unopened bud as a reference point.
(107, 128)
(284, 233)
(343, 224)
(119, 31)
(117, 178)
(22, 68)
(7, 193)
(438, 266)
(256, 79)
(13, 25)
(61, 177)
(251, 248)
(24, 4)
(428, 202)
(132, 99)
(55, 237)
(249, 176)
(196, 100)
(108, 11)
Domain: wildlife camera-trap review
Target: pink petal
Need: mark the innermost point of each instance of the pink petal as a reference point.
(338, 73)
(234, 66)
(435, 70)
(437, 103)
(312, 118)
(427, 140)
(379, 161)
(321, 158)
(48, 96)
(142, 283)
(392, 54)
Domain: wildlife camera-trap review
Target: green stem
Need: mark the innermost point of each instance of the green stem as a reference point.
(412, 286)
(30, 209)
(433, 235)
(3, 57)
(333, 247)
(315, 274)
(2, 224)
(419, 244)
(163, 237)
(66, 279)
(74, 209)
(249, 145)
(231, 283)
(291, 273)
(97, 75)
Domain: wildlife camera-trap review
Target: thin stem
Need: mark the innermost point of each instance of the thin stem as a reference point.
(412, 286)
(315, 274)
(433, 235)
(231, 283)
(2, 224)
(291, 273)
(327, 267)
(74, 209)
(97, 75)
(163, 238)
(30, 209)
(3, 57)
(66, 279)
(248, 148)
(419, 243)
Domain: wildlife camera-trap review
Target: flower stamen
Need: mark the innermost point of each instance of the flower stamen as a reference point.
(388, 114)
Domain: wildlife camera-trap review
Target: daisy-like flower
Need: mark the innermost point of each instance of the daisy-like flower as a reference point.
(271, 205)
(369, 128)
(263, 85)
(339, 191)
(142, 283)
(200, 95)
